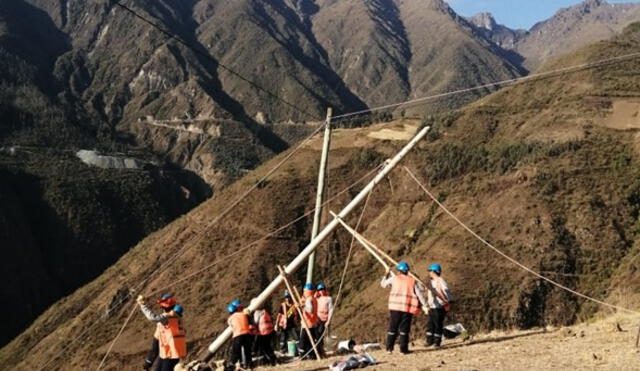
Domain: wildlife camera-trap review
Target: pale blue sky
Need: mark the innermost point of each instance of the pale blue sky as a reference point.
(516, 13)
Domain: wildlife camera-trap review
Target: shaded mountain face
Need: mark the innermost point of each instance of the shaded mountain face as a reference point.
(567, 30)
(547, 171)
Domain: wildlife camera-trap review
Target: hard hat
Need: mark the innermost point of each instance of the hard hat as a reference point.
(286, 294)
(320, 287)
(309, 286)
(403, 267)
(178, 309)
(167, 301)
(231, 308)
(435, 267)
(236, 303)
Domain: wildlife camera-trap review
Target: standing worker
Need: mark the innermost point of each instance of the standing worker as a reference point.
(242, 338)
(169, 334)
(286, 321)
(438, 299)
(325, 311)
(310, 317)
(405, 300)
(264, 337)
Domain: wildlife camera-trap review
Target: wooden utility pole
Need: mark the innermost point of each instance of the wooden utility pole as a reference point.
(322, 175)
(298, 301)
(295, 264)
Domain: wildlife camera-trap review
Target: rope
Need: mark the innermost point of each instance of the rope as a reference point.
(246, 247)
(512, 81)
(512, 260)
(104, 359)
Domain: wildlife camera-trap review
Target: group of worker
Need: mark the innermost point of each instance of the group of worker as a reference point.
(253, 333)
(316, 307)
(407, 298)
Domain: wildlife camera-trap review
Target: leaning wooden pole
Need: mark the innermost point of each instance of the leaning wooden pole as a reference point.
(303, 319)
(322, 175)
(324, 233)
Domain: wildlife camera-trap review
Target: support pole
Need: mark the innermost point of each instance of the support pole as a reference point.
(324, 233)
(372, 248)
(298, 300)
(362, 242)
(322, 175)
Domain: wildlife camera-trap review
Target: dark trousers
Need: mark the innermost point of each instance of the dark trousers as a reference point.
(240, 352)
(290, 333)
(322, 327)
(264, 348)
(152, 355)
(399, 327)
(167, 364)
(306, 348)
(435, 324)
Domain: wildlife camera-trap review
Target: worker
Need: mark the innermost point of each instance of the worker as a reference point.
(310, 318)
(405, 300)
(439, 298)
(287, 321)
(242, 337)
(264, 334)
(170, 334)
(325, 311)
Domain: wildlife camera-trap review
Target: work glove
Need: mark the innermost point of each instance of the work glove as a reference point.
(140, 300)
(425, 309)
(246, 311)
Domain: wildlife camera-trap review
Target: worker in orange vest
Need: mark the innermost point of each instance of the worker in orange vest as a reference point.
(310, 317)
(264, 334)
(405, 300)
(170, 334)
(325, 311)
(242, 337)
(287, 321)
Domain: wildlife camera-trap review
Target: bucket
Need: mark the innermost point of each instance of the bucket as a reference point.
(292, 348)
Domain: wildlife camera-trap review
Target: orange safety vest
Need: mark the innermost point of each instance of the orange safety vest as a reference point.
(171, 338)
(265, 324)
(239, 323)
(311, 317)
(402, 297)
(323, 308)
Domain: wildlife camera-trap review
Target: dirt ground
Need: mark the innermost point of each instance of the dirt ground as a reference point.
(591, 346)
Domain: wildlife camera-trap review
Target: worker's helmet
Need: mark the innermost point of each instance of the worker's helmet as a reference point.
(179, 310)
(309, 286)
(231, 308)
(403, 267)
(435, 267)
(321, 286)
(236, 302)
(286, 294)
(167, 301)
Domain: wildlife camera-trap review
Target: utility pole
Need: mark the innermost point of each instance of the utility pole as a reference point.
(295, 264)
(322, 175)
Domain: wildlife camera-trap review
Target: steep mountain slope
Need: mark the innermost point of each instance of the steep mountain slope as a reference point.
(567, 30)
(547, 171)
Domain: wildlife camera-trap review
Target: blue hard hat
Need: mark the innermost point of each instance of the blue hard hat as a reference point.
(309, 286)
(236, 303)
(231, 308)
(320, 287)
(286, 294)
(435, 267)
(178, 309)
(403, 267)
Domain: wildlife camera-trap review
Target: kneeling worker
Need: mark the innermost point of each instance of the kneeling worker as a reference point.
(172, 345)
(405, 300)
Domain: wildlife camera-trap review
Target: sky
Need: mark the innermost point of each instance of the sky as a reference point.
(516, 13)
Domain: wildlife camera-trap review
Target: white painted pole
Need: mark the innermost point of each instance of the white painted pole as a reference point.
(324, 233)
(322, 175)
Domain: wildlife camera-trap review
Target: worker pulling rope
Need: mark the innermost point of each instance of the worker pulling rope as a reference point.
(512, 260)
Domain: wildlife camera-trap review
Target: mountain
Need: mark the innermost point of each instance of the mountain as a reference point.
(547, 171)
(567, 30)
(194, 113)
